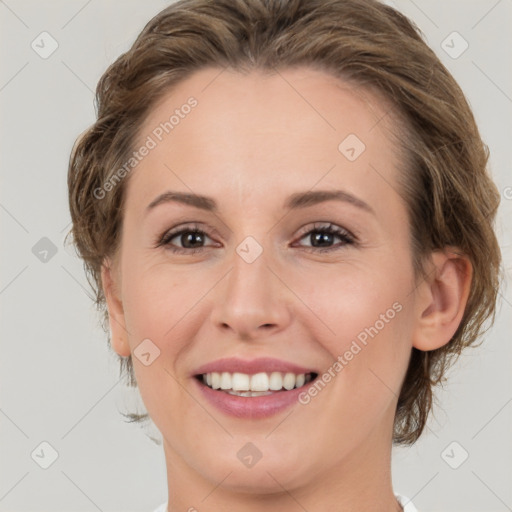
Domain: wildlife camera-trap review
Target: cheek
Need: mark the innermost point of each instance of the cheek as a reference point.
(159, 305)
(370, 317)
(363, 320)
(351, 302)
(158, 297)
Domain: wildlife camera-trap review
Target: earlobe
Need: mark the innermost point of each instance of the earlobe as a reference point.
(442, 299)
(110, 284)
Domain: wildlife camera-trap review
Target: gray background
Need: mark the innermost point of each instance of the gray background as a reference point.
(60, 384)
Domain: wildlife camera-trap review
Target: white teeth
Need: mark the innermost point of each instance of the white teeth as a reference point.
(215, 378)
(289, 381)
(276, 381)
(258, 384)
(225, 380)
(240, 382)
(249, 393)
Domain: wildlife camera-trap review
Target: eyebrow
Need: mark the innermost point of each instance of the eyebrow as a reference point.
(294, 202)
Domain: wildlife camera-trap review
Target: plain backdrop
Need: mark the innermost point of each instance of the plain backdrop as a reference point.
(60, 384)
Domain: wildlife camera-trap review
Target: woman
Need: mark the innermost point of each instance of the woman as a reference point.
(286, 215)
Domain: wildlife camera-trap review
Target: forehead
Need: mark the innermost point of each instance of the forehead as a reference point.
(257, 130)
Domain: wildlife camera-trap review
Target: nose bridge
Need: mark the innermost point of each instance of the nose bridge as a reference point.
(251, 279)
(252, 295)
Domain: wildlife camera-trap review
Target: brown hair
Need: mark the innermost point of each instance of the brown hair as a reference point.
(451, 199)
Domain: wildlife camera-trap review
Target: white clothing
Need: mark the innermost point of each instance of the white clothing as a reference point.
(405, 502)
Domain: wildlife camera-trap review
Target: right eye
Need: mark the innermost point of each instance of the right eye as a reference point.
(189, 236)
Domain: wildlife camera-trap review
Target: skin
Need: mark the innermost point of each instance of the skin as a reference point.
(251, 141)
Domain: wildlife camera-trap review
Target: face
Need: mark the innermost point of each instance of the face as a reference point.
(274, 271)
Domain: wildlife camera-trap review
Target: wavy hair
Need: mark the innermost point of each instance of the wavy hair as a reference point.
(451, 198)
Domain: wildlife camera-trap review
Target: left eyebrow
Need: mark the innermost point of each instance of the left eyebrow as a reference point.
(312, 197)
(295, 201)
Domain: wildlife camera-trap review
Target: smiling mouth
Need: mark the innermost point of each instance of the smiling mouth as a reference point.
(254, 385)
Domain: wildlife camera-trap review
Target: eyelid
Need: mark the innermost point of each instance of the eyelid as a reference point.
(326, 225)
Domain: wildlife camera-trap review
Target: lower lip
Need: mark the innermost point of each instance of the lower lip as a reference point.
(251, 407)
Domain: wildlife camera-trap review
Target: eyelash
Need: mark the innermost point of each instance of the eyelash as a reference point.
(346, 236)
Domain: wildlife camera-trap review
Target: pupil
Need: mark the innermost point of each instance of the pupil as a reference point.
(322, 237)
(189, 238)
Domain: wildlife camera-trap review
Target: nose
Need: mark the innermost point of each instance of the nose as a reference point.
(252, 301)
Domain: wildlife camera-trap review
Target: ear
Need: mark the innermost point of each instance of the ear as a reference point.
(111, 285)
(442, 299)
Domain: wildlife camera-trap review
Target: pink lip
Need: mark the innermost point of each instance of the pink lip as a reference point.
(251, 407)
(262, 364)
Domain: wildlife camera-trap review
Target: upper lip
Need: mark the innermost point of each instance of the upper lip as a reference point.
(250, 367)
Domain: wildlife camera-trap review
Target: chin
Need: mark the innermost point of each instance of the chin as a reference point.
(268, 475)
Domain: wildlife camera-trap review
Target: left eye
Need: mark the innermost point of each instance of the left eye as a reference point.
(325, 234)
(192, 238)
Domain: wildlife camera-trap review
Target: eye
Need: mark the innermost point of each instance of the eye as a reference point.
(190, 237)
(324, 235)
